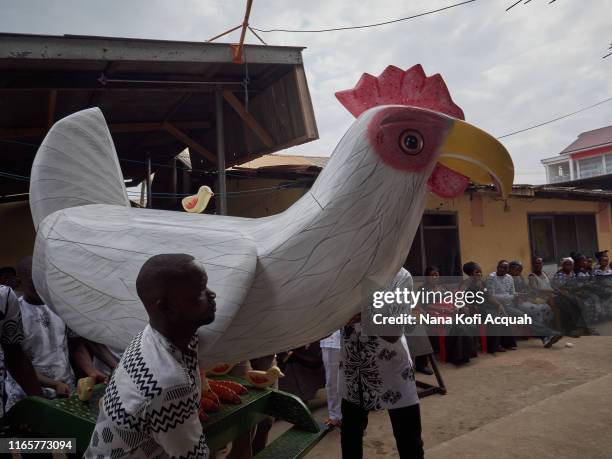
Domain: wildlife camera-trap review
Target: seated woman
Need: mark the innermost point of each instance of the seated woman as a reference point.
(530, 303)
(583, 290)
(501, 288)
(570, 306)
(539, 280)
(603, 264)
(460, 340)
(603, 276)
(475, 283)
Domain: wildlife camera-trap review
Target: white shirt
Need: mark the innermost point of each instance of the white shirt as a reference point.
(332, 341)
(602, 272)
(46, 344)
(11, 330)
(501, 287)
(374, 373)
(150, 407)
(539, 281)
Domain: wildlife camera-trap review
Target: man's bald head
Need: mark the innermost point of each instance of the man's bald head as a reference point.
(173, 289)
(160, 274)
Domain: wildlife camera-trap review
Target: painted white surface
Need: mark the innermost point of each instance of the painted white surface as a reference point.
(282, 281)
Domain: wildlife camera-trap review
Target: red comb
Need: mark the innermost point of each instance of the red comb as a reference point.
(397, 87)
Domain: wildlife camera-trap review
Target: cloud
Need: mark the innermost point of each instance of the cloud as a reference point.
(508, 70)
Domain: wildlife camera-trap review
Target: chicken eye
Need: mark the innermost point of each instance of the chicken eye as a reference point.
(411, 142)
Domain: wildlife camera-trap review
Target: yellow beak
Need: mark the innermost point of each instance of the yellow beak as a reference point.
(477, 155)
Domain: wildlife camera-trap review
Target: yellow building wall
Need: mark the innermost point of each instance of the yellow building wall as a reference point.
(16, 232)
(505, 233)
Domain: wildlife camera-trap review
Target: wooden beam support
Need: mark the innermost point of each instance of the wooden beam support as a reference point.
(191, 143)
(248, 118)
(116, 128)
(147, 127)
(51, 107)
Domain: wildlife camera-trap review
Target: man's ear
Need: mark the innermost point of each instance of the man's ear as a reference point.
(162, 305)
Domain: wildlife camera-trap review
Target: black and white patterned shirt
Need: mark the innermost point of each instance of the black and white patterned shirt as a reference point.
(46, 345)
(11, 330)
(374, 373)
(150, 407)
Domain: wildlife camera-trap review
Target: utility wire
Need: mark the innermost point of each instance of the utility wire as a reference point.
(526, 1)
(365, 26)
(556, 119)
(23, 178)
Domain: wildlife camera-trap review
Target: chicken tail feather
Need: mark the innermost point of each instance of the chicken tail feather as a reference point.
(76, 165)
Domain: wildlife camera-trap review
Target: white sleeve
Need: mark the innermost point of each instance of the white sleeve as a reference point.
(176, 427)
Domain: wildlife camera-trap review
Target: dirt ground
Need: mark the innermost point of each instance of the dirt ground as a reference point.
(494, 387)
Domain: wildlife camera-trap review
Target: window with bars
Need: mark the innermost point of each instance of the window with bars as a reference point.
(559, 172)
(590, 167)
(609, 164)
(556, 236)
(436, 243)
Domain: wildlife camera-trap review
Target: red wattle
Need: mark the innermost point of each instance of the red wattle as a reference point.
(446, 183)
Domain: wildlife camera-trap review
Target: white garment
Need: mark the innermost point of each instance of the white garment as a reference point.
(501, 288)
(150, 407)
(332, 341)
(602, 272)
(374, 373)
(46, 344)
(540, 282)
(11, 330)
(331, 361)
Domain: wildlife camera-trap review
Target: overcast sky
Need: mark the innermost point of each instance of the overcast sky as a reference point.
(507, 70)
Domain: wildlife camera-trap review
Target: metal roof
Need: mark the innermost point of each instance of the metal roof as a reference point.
(550, 192)
(590, 139)
(157, 97)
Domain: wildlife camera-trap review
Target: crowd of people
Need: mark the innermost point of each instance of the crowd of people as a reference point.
(53, 356)
(568, 303)
(363, 372)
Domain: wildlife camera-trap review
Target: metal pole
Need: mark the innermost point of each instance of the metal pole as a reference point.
(149, 194)
(173, 183)
(221, 190)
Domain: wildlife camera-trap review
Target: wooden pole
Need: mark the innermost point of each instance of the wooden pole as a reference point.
(173, 182)
(51, 107)
(221, 191)
(149, 193)
(248, 118)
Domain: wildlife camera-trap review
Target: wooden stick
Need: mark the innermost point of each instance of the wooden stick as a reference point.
(248, 118)
(191, 143)
(238, 51)
(223, 34)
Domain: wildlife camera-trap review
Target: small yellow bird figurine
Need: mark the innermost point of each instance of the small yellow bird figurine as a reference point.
(261, 379)
(85, 388)
(197, 203)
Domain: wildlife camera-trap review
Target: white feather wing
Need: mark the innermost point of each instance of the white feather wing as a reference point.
(87, 259)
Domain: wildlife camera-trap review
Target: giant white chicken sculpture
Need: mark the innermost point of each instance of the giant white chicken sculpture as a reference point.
(281, 281)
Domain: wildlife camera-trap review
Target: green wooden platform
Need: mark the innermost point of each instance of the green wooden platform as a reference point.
(72, 418)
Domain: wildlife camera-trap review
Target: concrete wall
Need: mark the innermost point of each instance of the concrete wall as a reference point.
(16, 232)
